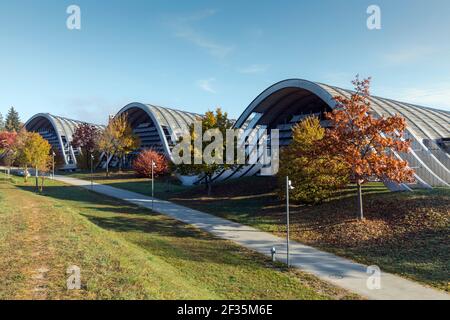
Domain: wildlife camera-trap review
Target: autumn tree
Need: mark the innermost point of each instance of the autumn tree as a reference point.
(314, 173)
(118, 140)
(37, 154)
(214, 126)
(12, 122)
(20, 158)
(86, 138)
(34, 151)
(367, 143)
(142, 165)
(7, 142)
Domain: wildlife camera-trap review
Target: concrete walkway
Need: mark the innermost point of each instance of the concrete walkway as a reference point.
(341, 272)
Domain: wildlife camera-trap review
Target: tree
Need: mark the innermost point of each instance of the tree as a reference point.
(19, 151)
(2, 123)
(367, 144)
(13, 121)
(218, 122)
(32, 150)
(7, 142)
(37, 153)
(314, 173)
(86, 137)
(142, 165)
(118, 140)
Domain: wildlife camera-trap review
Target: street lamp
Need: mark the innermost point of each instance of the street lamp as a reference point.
(153, 183)
(288, 187)
(92, 171)
(53, 165)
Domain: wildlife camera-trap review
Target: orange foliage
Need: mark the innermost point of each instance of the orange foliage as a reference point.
(367, 143)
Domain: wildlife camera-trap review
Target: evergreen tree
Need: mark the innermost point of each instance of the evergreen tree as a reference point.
(12, 120)
(2, 123)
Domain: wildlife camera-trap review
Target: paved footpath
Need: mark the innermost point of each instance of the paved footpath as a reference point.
(341, 272)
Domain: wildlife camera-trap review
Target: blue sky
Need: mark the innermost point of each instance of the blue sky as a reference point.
(196, 55)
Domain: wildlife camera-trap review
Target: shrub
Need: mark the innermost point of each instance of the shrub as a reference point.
(142, 165)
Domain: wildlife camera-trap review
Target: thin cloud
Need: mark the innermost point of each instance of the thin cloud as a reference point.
(207, 85)
(183, 28)
(408, 55)
(254, 69)
(437, 96)
(91, 109)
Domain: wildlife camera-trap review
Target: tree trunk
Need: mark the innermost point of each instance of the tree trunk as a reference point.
(360, 202)
(107, 165)
(25, 174)
(87, 158)
(37, 179)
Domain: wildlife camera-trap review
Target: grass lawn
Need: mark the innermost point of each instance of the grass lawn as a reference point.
(404, 233)
(126, 252)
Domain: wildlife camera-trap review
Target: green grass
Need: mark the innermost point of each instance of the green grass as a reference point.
(126, 252)
(404, 233)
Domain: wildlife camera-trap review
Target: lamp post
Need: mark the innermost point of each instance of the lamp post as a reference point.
(288, 187)
(92, 171)
(53, 165)
(153, 183)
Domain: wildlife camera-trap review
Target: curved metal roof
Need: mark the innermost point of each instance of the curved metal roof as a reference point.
(170, 123)
(63, 128)
(425, 126)
(281, 103)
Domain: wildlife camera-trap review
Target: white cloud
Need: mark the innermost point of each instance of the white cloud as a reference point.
(207, 85)
(254, 69)
(184, 29)
(437, 96)
(91, 109)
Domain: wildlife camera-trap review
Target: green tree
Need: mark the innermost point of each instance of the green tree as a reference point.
(315, 174)
(13, 121)
(218, 122)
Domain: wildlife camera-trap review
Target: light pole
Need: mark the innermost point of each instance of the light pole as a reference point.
(92, 171)
(288, 187)
(53, 165)
(153, 183)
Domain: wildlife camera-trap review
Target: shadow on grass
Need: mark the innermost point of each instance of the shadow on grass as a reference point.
(152, 232)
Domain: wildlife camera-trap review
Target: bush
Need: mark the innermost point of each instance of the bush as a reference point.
(143, 164)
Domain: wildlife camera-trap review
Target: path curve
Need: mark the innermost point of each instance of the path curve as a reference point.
(326, 266)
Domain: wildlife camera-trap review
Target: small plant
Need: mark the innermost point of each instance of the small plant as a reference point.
(143, 164)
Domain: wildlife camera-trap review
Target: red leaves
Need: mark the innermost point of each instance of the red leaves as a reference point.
(367, 143)
(7, 140)
(86, 137)
(143, 164)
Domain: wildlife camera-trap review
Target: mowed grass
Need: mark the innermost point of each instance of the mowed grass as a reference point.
(126, 252)
(404, 233)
